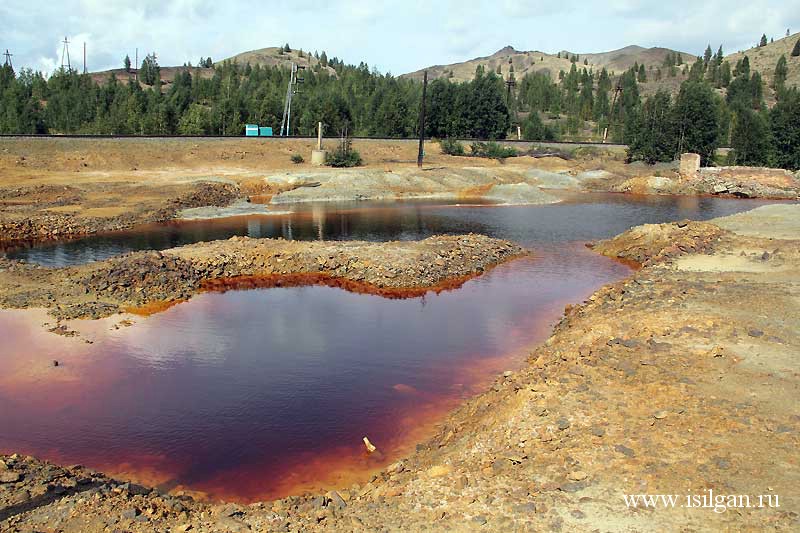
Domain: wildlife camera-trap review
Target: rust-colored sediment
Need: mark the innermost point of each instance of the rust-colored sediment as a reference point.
(152, 308)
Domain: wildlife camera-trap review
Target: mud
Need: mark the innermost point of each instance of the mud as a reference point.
(147, 281)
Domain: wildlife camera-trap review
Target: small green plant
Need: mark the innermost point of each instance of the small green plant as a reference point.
(344, 155)
(492, 150)
(297, 159)
(451, 147)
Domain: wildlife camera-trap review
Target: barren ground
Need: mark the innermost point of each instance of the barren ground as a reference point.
(56, 187)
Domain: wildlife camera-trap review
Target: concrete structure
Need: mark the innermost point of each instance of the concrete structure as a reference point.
(318, 157)
(690, 165)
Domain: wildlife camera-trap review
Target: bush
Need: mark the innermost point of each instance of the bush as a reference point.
(297, 159)
(451, 147)
(492, 150)
(343, 158)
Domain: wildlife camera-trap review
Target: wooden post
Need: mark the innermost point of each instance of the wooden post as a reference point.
(422, 120)
(319, 136)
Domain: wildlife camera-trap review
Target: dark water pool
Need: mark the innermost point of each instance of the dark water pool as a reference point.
(261, 393)
(580, 217)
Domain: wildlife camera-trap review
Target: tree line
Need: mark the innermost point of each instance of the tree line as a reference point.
(700, 119)
(581, 103)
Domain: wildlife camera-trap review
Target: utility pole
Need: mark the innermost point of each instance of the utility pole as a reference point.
(421, 152)
(291, 90)
(136, 65)
(617, 92)
(8, 58)
(511, 82)
(65, 54)
(84, 57)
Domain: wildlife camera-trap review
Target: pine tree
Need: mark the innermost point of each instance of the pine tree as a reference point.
(642, 77)
(653, 137)
(750, 139)
(707, 55)
(796, 49)
(763, 40)
(696, 120)
(784, 122)
(781, 71)
(127, 64)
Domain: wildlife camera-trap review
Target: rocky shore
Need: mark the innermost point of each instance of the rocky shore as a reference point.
(46, 212)
(147, 281)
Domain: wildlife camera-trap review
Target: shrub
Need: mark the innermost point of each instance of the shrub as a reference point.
(451, 147)
(492, 150)
(297, 159)
(342, 157)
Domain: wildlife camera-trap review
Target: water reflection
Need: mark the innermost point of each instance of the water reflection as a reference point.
(580, 217)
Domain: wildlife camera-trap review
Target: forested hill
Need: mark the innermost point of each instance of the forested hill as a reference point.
(705, 98)
(525, 62)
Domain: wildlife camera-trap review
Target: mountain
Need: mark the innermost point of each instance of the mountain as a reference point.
(275, 56)
(615, 61)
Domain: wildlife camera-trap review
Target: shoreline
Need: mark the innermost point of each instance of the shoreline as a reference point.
(152, 281)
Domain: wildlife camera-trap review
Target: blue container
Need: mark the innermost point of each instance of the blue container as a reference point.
(265, 131)
(251, 130)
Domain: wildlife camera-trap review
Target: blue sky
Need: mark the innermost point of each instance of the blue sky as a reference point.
(394, 36)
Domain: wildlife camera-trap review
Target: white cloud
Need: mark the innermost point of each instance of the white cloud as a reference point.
(396, 35)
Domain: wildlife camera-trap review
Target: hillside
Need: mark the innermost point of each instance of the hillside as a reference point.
(614, 61)
(763, 59)
(167, 74)
(275, 56)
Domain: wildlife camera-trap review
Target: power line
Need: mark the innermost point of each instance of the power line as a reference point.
(65, 54)
(8, 58)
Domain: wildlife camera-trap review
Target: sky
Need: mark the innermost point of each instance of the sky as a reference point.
(394, 36)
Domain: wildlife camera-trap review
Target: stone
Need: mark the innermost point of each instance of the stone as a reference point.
(689, 165)
(480, 520)
(10, 477)
(578, 475)
(131, 513)
(336, 500)
(660, 415)
(370, 447)
(624, 450)
(563, 423)
(755, 332)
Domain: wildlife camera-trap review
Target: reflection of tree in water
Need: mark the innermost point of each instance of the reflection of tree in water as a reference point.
(595, 217)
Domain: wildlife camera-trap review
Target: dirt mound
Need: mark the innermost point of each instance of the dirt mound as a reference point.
(151, 279)
(655, 242)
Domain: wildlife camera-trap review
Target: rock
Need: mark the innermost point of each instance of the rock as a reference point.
(563, 423)
(624, 450)
(660, 415)
(578, 475)
(131, 513)
(370, 447)
(10, 477)
(755, 332)
(480, 520)
(336, 500)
